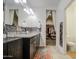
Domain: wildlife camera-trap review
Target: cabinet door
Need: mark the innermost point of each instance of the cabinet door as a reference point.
(5, 49)
(38, 40)
(32, 50)
(15, 49)
(26, 48)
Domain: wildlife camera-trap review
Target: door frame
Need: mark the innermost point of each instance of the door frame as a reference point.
(66, 24)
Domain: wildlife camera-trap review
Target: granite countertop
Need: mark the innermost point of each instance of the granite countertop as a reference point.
(17, 35)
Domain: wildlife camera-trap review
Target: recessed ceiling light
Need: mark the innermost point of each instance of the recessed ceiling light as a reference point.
(24, 1)
(16, 1)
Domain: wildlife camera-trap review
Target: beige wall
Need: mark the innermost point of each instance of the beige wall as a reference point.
(71, 22)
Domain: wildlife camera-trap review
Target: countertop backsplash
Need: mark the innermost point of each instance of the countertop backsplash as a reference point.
(11, 28)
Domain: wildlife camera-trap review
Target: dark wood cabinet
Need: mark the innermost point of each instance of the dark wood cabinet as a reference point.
(23, 48)
(13, 49)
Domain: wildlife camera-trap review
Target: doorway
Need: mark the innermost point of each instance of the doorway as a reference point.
(71, 29)
(50, 29)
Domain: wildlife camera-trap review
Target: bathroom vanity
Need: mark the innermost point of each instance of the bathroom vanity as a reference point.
(21, 46)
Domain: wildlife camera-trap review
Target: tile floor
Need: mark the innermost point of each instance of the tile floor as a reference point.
(54, 54)
(72, 54)
(51, 42)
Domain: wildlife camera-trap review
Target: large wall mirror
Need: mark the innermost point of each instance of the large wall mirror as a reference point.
(61, 33)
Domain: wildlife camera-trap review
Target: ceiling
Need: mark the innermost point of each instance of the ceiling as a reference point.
(43, 3)
(37, 3)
